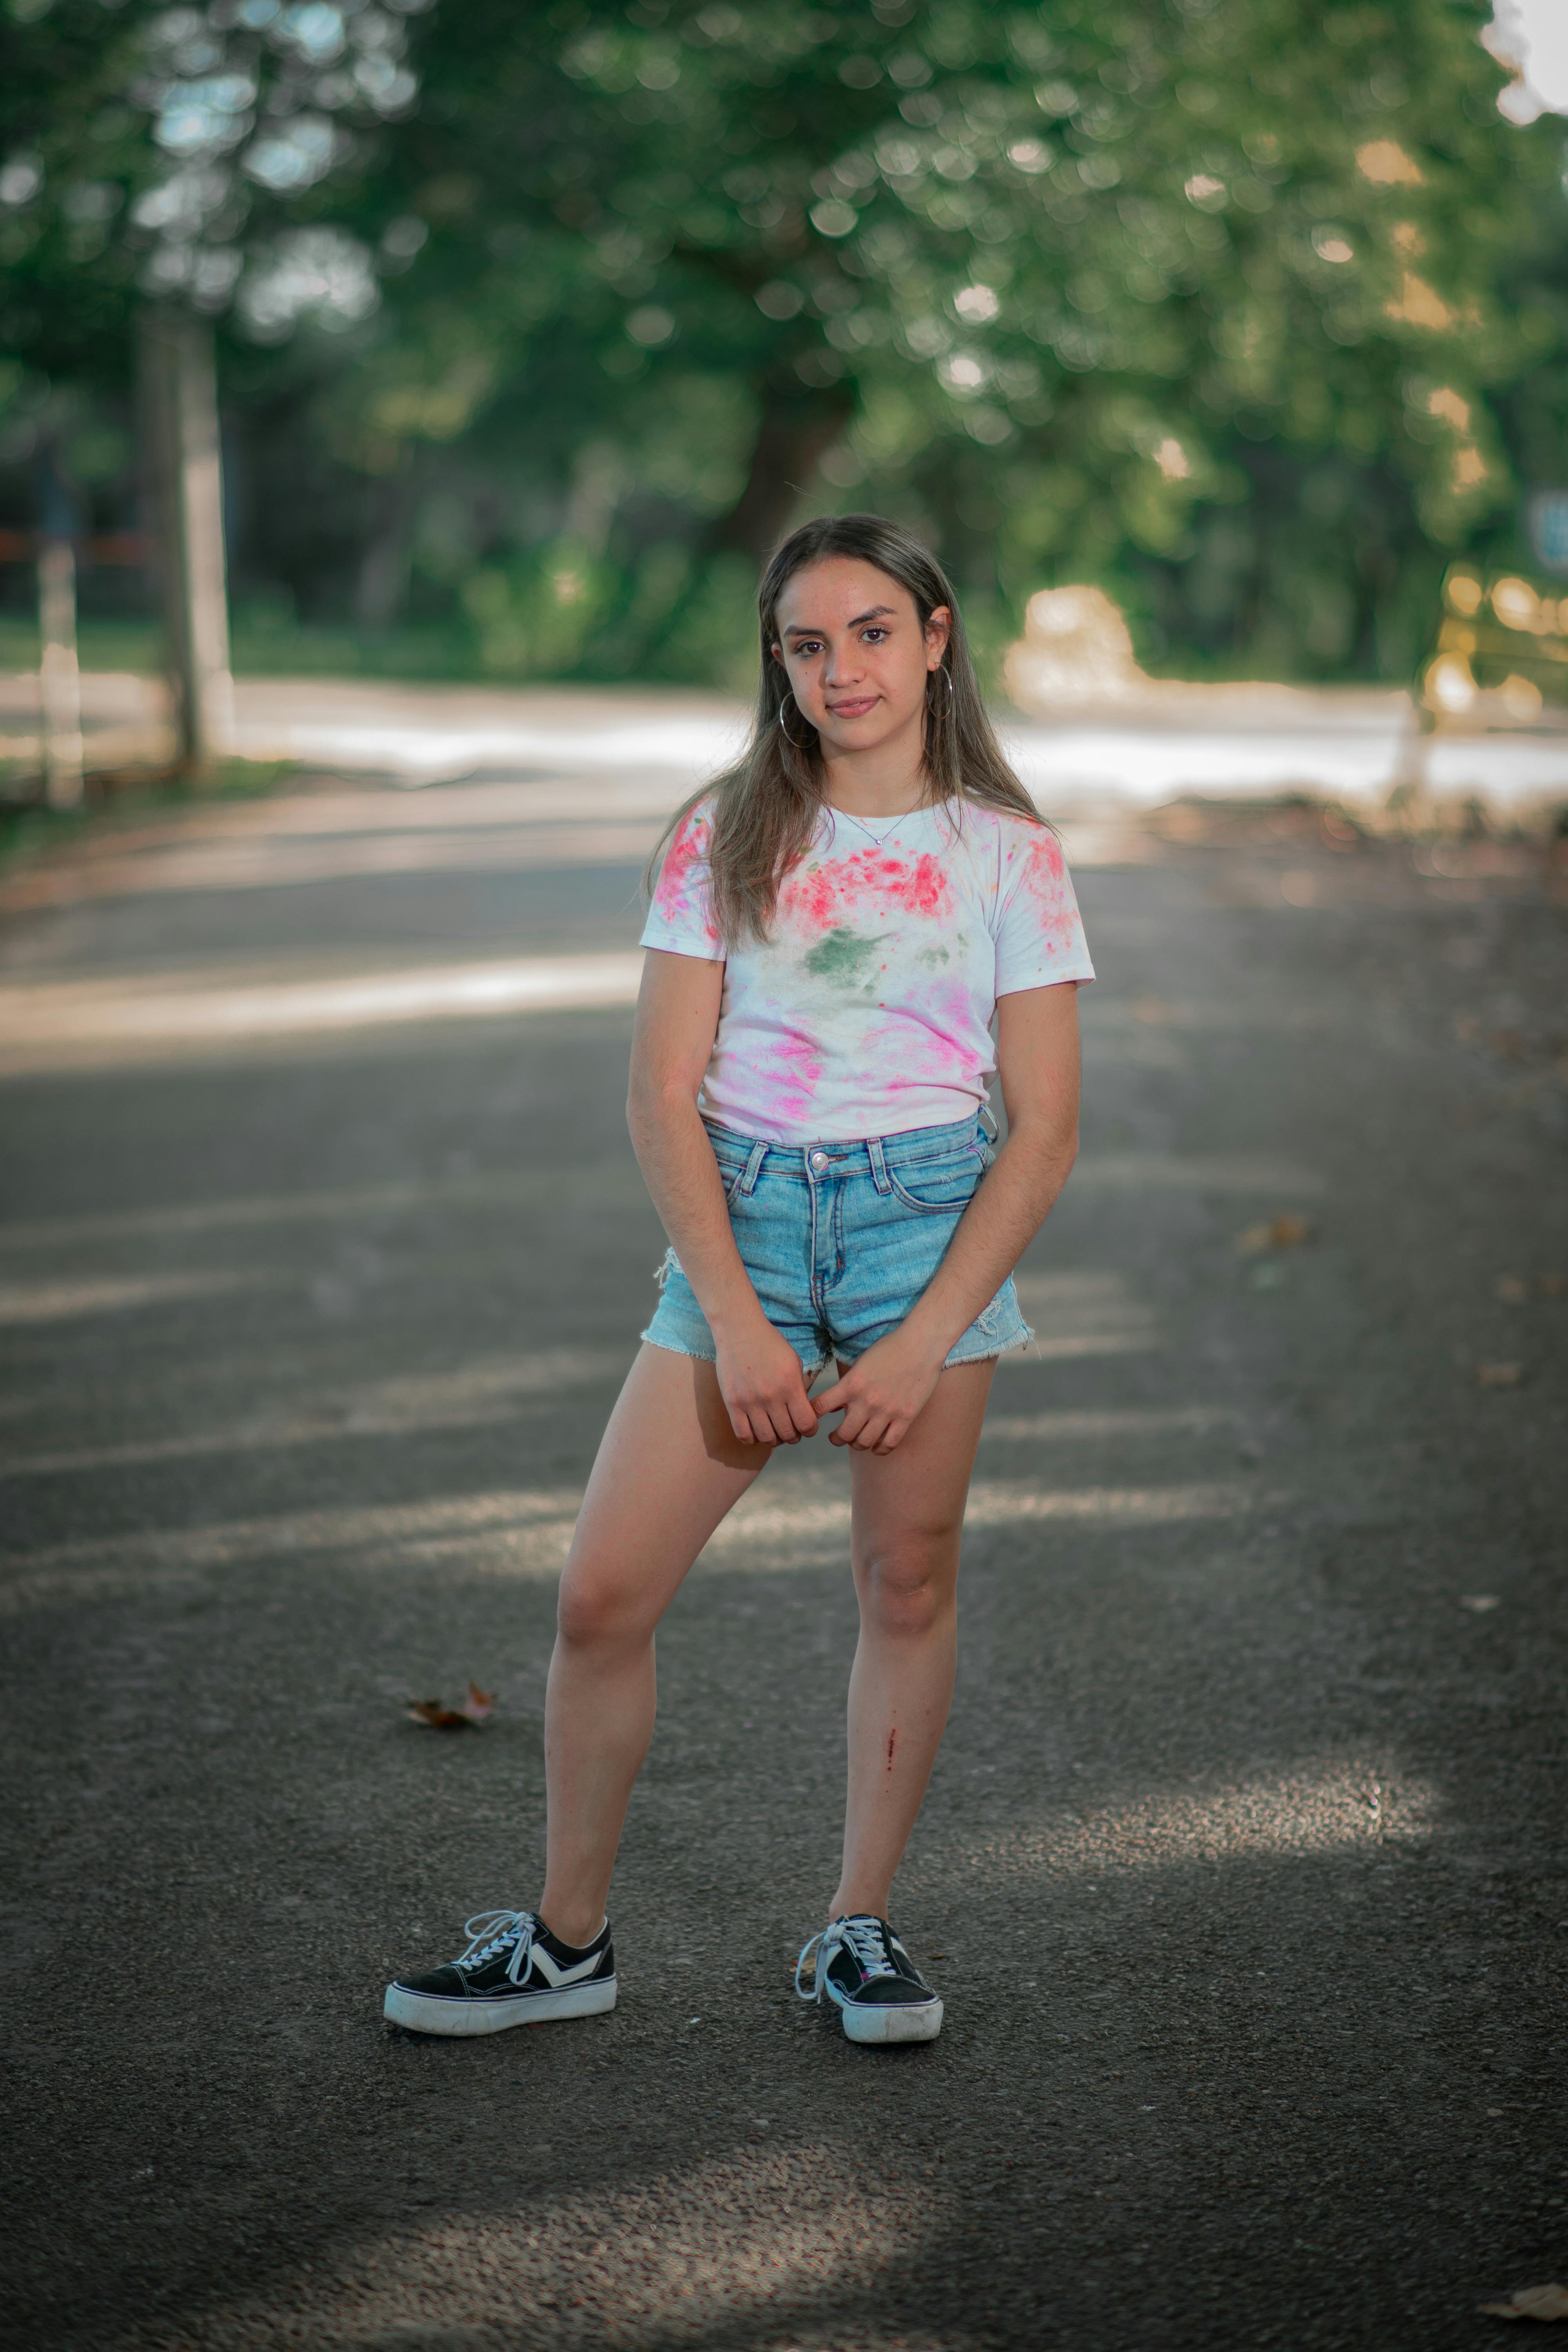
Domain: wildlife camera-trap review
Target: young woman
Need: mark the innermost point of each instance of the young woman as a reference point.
(838, 922)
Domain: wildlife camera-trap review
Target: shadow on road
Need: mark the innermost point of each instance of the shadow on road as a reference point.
(1242, 1870)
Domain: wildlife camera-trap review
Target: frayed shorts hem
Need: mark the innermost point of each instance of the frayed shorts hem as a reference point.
(700, 1355)
(992, 1352)
(989, 1354)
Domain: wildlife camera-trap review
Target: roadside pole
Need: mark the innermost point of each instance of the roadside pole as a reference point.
(179, 395)
(59, 676)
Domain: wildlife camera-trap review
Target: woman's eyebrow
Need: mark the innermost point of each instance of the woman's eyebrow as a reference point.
(876, 612)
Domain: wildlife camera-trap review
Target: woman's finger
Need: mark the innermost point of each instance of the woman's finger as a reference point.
(802, 1417)
(854, 1421)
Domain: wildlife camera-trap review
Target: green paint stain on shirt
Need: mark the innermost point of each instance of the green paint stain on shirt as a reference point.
(841, 956)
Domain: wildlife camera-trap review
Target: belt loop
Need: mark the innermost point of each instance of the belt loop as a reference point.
(754, 1168)
(879, 1165)
(987, 1117)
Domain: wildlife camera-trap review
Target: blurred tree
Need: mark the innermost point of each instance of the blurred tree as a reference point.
(219, 155)
(144, 162)
(1199, 299)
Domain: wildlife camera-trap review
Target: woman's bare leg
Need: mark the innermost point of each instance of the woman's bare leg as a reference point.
(908, 1522)
(668, 1468)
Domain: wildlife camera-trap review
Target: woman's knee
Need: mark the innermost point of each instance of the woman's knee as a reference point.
(907, 1589)
(595, 1612)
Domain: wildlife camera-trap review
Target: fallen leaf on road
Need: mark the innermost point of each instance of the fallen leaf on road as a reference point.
(1153, 1010)
(475, 1709)
(1478, 1603)
(1287, 1230)
(1500, 1376)
(1550, 1286)
(1532, 2303)
(1512, 1289)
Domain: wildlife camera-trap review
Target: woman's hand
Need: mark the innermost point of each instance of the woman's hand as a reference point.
(763, 1386)
(881, 1393)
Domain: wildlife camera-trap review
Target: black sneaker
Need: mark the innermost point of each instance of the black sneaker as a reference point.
(514, 1973)
(864, 1970)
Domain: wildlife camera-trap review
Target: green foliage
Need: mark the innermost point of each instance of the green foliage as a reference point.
(1255, 313)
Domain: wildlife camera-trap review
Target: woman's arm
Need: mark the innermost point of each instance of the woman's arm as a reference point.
(1037, 1058)
(760, 1375)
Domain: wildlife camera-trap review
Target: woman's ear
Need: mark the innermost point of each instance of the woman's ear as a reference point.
(939, 628)
(777, 652)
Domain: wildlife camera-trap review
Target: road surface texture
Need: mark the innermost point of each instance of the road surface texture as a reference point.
(1243, 1870)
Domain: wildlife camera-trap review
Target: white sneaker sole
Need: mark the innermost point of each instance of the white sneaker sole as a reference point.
(890, 2021)
(429, 2013)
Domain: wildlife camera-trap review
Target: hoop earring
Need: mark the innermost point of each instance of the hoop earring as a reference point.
(783, 730)
(946, 676)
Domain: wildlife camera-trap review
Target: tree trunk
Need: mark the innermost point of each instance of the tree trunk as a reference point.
(382, 584)
(798, 425)
(59, 678)
(179, 388)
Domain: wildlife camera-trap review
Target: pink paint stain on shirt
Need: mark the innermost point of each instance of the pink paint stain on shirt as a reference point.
(1044, 872)
(940, 1044)
(785, 1072)
(825, 897)
(689, 848)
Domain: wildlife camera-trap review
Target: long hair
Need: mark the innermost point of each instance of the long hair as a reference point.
(766, 806)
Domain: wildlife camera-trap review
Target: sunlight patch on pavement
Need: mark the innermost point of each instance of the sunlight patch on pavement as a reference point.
(1169, 1171)
(40, 1024)
(475, 1396)
(758, 1518)
(746, 2248)
(60, 1302)
(526, 1532)
(1318, 1806)
(1082, 1312)
(270, 863)
(538, 1523)
(690, 744)
(606, 1180)
(496, 1391)
(1087, 1426)
(604, 1184)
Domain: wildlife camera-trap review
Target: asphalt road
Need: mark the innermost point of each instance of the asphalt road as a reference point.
(1242, 1871)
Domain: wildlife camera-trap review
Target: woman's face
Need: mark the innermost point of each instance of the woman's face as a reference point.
(858, 659)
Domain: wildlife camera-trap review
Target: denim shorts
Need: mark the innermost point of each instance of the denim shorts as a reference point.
(840, 1239)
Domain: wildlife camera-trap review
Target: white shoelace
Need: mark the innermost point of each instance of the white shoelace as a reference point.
(491, 1932)
(863, 1937)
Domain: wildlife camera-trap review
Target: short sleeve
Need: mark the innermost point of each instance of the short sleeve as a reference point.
(1039, 929)
(681, 919)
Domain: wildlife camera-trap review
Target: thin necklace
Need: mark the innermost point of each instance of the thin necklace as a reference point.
(890, 823)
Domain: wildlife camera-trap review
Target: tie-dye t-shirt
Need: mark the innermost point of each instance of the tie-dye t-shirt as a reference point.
(869, 1012)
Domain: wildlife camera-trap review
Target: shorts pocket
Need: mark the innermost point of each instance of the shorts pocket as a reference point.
(730, 1172)
(943, 1187)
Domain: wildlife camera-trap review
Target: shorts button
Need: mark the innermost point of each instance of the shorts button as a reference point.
(818, 1161)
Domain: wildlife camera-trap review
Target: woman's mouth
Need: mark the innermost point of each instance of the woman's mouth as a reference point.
(854, 707)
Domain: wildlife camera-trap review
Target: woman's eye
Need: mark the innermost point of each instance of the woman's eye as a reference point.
(874, 635)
